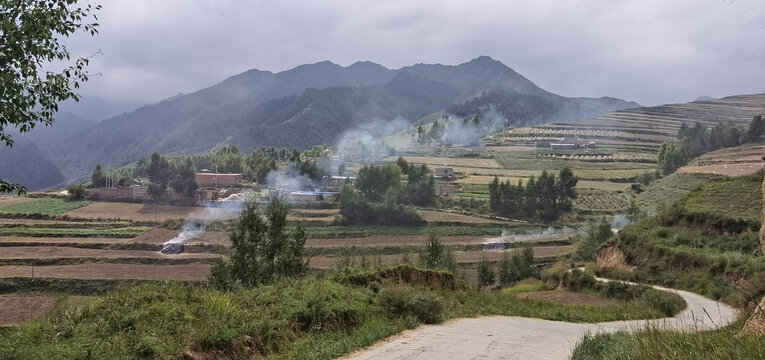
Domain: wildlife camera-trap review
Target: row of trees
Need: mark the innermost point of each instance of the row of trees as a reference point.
(511, 269)
(545, 198)
(380, 193)
(699, 139)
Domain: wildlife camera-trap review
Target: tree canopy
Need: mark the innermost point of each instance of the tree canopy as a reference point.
(30, 33)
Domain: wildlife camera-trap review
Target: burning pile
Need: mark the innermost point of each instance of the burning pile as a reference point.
(503, 242)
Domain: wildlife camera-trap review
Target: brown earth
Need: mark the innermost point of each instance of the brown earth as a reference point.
(109, 271)
(158, 236)
(63, 252)
(133, 212)
(10, 200)
(612, 257)
(565, 297)
(16, 310)
(391, 240)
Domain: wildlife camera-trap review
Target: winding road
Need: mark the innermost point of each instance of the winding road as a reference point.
(508, 337)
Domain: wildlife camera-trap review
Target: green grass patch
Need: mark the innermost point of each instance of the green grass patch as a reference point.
(45, 206)
(121, 232)
(737, 197)
(526, 287)
(725, 343)
(329, 232)
(670, 189)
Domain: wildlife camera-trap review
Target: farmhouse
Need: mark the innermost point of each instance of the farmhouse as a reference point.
(312, 198)
(567, 143)
(444, 172)
(218, 180)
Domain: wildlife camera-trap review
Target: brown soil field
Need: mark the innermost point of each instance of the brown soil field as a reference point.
(109, 271)
(7, 200)
(158, 236)
(325, 262)
(567, 297)
(439, 216)
(738, 169)
(133, 212)
(63, 252)
(16, 310)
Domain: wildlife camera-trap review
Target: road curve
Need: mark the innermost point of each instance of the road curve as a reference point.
(509, 337)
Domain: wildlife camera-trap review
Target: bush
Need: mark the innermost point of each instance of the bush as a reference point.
(577, 280)
(407, 301)
(76, 191)
(668, 303)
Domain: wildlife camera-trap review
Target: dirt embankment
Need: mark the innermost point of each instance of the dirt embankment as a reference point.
(612, 257)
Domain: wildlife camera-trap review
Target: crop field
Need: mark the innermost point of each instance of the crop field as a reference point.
(133, 212)
(434, 162)
(738, 197)
(193, 272)
(123, 232)
(599, 200)
(44, 206)
(672, 188)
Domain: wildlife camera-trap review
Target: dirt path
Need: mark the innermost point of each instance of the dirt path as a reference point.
(504, 337)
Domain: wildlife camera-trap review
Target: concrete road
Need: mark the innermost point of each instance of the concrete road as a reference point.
(503, 337)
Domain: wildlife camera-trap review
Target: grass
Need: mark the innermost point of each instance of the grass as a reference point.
(671, 189)
(725, 343)
(522, 287)
(329, 232)
(315, 318)
(121, 232)
(738, 197)
(45, 206)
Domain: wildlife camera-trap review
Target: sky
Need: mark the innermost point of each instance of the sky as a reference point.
(649, 51)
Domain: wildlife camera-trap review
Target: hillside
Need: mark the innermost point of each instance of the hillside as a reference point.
(313, 104)
(26, 164)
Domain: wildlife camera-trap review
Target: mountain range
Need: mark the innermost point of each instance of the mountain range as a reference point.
(313, 104)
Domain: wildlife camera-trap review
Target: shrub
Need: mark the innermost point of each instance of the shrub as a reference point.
(76, 191)
(407, 301)
(577, 280)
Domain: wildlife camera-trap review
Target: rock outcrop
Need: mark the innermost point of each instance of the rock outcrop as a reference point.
(611, 256)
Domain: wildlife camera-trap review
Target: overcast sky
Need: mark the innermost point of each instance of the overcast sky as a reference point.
(649, 51)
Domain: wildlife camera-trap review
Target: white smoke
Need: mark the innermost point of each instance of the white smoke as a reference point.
(364, 144)
(198, 222)
(464, 131)
(549, 234)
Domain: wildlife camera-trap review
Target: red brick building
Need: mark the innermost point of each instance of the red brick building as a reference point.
(218, 180)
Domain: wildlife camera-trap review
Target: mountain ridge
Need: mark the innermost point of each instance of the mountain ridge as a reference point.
(313, 103)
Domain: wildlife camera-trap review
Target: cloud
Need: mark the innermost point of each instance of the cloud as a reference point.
(651, 51)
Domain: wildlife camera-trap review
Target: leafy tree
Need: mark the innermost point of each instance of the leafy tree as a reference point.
(672, 156)
(341, 169)
(507, 275)
(262, 249)
(159, 175)
(98, 178)
(634, 214)
(258, 164)
(184, 177)
(596, 235)
(486, 274)
(374, 181)
(76, 191)
(29, 42)
(756, 129)
(436, 255)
